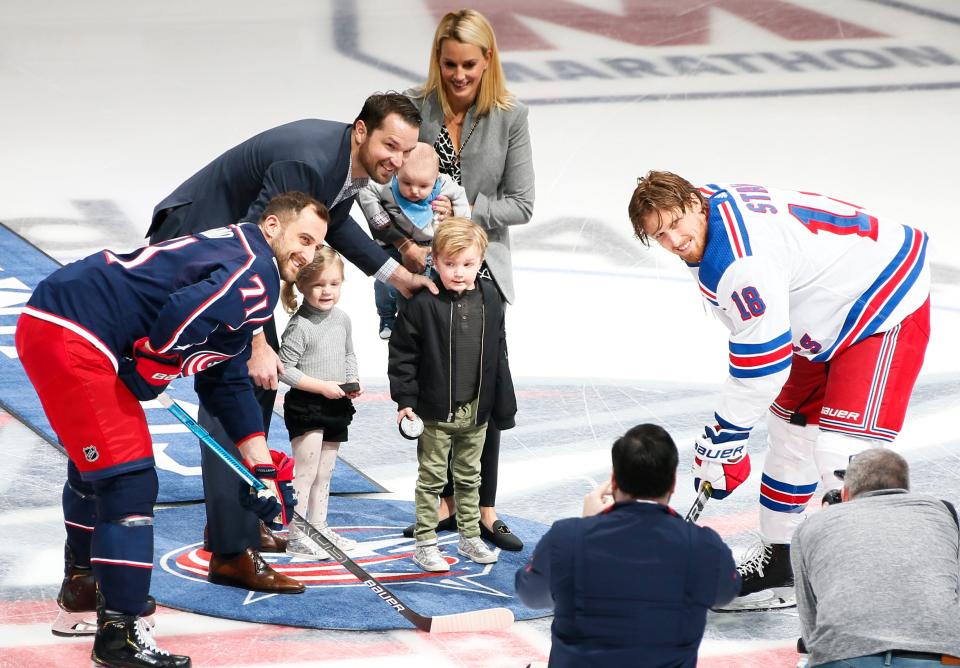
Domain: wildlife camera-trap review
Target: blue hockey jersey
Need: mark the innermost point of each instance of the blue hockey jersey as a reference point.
(201, 296)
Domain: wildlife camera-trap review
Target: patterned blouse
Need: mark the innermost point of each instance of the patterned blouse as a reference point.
(449, 160)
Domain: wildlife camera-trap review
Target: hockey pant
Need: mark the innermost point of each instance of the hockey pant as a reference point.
(798, 459)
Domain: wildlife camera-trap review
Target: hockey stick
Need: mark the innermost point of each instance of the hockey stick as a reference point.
(491, 619)
(706, 491)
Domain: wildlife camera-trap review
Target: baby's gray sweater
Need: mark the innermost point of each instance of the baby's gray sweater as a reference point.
(318, 344)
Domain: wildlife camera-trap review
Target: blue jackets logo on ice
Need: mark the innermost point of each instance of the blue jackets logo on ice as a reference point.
(381, 551)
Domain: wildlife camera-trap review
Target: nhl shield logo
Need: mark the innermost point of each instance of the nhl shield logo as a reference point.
(90, 453)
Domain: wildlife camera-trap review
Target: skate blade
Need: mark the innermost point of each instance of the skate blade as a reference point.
(73, 624)
(767, 599)
(84, 623)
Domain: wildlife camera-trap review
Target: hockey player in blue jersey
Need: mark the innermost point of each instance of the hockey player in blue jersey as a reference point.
(104, 333)
(829, 316)
(331, 162)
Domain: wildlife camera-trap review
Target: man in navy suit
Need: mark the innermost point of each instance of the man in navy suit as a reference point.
(629, 582)
(329, 161)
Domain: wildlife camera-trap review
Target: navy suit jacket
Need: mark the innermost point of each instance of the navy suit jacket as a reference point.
(628, 587)
(311, 156)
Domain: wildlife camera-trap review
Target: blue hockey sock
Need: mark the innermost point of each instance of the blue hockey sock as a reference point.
(79, 515)
(122, 550)
(123, 562)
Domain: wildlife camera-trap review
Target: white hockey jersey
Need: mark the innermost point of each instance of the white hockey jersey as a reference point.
(799, 273)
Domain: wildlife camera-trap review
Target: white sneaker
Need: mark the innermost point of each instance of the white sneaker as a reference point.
(476, 550)
(301, 546)
(428, 558)
(385, 333)
(345, 544)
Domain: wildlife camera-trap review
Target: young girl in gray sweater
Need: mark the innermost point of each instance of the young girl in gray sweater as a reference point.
(318, 362)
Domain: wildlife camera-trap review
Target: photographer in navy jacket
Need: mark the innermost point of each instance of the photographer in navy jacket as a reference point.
(630, 582)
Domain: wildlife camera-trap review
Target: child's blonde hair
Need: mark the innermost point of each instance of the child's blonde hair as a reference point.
(456, 234)
(326, 257)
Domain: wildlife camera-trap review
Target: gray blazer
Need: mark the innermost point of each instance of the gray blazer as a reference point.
(497, 172)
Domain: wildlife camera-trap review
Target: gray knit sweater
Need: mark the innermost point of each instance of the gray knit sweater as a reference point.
(878, 573)
(318, 344)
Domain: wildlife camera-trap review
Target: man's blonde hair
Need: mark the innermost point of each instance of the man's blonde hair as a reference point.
(455, 235)
(469, 26)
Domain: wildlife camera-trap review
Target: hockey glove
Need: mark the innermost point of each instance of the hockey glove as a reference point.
(274, 505)
(723, 477)
(147, 373)
(721, 459)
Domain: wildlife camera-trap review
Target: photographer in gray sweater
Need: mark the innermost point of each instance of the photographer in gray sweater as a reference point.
(877, 577)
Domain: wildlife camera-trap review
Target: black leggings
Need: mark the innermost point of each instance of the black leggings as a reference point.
(489, 462)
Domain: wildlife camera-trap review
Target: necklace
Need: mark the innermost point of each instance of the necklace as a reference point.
(473, 127)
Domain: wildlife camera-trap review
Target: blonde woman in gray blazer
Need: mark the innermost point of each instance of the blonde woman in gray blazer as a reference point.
(480, 132)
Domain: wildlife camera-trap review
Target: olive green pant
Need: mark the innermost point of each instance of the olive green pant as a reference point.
(465, 439)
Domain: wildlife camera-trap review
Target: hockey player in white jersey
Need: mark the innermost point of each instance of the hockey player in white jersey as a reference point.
(829, 316)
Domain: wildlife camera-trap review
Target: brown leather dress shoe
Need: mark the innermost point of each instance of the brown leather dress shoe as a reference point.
(248, 570)
(271, 542)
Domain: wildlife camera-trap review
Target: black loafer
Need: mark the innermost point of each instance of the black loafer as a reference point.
(446, 524)
(501, 536)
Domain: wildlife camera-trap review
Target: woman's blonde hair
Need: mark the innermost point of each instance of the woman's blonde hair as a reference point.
(325, 257)
(469, 26)
(458, 234)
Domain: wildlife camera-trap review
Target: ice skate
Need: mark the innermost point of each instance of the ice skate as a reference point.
(767, 579)
(126, 641)
(78, 602)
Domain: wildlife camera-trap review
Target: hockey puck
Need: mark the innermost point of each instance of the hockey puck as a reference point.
(411, 428)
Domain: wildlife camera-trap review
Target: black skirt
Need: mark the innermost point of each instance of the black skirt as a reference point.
(307, 411)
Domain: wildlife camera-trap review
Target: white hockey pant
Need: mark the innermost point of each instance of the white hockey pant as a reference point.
(799, 458)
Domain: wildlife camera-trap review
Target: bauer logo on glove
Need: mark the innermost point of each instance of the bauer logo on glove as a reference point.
(146, 372)
(725, 454)
(721, 458)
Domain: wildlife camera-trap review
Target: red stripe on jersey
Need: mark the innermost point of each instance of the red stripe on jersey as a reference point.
(147, 253)
(881, 296)
(753, 361)
(213, 298)
(731, 225)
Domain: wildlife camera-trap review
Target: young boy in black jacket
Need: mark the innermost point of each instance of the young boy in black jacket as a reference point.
(448, 363)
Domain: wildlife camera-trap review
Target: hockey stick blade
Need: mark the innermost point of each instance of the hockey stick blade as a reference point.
(706, 491)
(492, 619)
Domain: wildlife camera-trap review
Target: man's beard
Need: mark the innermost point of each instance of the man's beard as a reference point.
(284, 264)
(370, 167)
